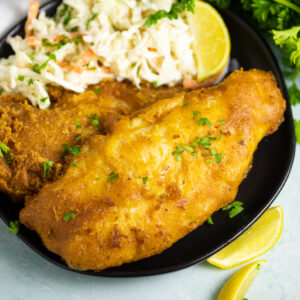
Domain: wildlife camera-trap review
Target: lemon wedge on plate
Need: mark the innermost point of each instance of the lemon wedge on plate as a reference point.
(257, 240)
(211, 40)
(236, 287)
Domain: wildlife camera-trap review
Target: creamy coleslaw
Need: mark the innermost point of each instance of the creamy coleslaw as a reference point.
(89, 40)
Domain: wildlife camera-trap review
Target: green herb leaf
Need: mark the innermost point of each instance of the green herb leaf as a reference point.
(234, 208)
(155, 84)
(94, 16)
(44, 99)
(222, 122)
(163, 196)
(10, 160)
(204, 121)
(145, 180)
(78, 138)
(75, 165)
(97, 91)
(210, 221)
(30, 82)
(294, 94)
(196, 113)
(68, 18)
(186, 104)
(70, 215)
(218, 157)
(4, 148)
(14, 227)
(21, 78)
(75, 150)
(113, 176)
(95, 121)
(176, 9)
(47, 167)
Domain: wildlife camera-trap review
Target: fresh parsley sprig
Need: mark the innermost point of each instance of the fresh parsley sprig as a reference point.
(234, 208)
(176, 9)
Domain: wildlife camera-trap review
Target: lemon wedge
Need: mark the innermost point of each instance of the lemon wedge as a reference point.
(236, 287)
(257, 240)
(211, 40)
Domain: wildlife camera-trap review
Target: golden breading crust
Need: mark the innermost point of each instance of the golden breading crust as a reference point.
(133, 196)
(36, 136)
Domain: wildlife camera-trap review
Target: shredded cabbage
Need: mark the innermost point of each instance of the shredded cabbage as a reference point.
(89, 40)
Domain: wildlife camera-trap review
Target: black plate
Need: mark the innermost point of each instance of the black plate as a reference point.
(271, 167)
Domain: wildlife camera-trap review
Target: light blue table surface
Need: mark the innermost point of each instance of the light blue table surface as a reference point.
(25, 275)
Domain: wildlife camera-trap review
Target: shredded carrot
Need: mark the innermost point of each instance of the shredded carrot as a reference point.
(33, 41)
(32, 14)
(158, 61)
(191, 83)
(85, 58)
(106, 70)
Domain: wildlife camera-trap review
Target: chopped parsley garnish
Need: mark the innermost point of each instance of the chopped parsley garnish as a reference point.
(210, 160)
(155, 84)
(37, 69)
(77, 122)
(204, 143)
(94, 16)
(4, 148)
(69, 215)
(222, 122)
(163, 196)
(194, 153)
(78, 138)
(31, 56)
(204, 121)
(133, 65)
(47, 167)
(145, 180)
(210, 221)
(62, 42)
(186, 104)
(75, 166)
(178, 152)
(97, 91)
(30, 81)
(14, 227)
(43, 100)
(95, 121)
(1, 90)
(10, 160)
(75, 29)
(234, 208)
(258, 266)
(112, 176)
(218, 157)
(63, 11)
(196, 113)
(21, 78)
(75, 150)
(188, 148)
(176, 9)
(68, 18)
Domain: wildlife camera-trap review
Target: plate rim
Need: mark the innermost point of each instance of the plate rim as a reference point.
(113, 272)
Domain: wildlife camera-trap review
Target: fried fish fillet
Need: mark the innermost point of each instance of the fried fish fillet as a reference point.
(36, 136)
(159, 175)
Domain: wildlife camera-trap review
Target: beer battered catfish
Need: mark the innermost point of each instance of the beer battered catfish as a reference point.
(35, 137)
(158, 175)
